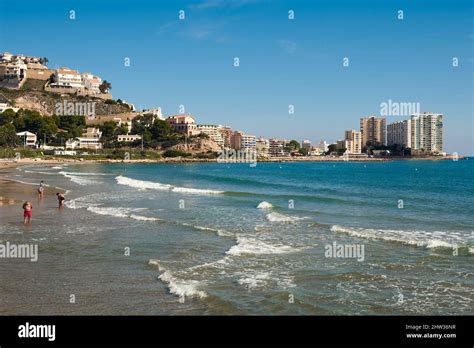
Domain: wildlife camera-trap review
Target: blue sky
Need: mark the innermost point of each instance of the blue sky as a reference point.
(282, 62)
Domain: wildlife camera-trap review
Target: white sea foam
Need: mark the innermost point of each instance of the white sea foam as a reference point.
(39, 172)
(118, 212)
(277, 217)
(425, 239)
(142, 184)
(181, 287)
(143, 218)
(80, 180)
(219, 232)
(264, 205)
(177, 286)
(23, 182)
(253, 246)
(255, 280)
(84, 173)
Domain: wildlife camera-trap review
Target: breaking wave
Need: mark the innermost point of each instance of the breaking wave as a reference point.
(142, 184)
(79, 178)
(264, 205)
(177, 286)
(277, 217)
(425, 239)
(253, 246)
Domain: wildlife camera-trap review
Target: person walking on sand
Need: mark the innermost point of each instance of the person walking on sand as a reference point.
(41, 189)
(60, 199)
(27, 212)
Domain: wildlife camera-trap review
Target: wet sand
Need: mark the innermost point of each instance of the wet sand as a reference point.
(13, 194)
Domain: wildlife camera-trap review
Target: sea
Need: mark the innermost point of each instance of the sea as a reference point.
(312, 238)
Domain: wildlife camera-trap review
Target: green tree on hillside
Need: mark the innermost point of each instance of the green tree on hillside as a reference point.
(8, 135)
(74, 125)
(105, 86)
(35, 123)
(7, 116)
(122, 129)
(142, 122)
(161, 130)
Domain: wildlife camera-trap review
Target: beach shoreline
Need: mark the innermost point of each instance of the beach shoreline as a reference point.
(9, 163)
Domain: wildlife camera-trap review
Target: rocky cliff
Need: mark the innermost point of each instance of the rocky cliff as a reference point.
(33, 98)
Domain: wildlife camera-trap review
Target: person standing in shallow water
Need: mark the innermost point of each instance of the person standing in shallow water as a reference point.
(41, 189)
(60, 199)
(27, 212)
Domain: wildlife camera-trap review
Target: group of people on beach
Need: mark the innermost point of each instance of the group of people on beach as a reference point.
(28, 206)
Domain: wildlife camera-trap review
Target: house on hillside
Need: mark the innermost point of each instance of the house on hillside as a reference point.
(28, 138)
(182, 124)
(90, 140)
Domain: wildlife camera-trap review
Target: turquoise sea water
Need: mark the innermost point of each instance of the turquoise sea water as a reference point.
(235, 239)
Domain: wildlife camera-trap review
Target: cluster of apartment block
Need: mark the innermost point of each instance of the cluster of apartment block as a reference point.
(71, 79)
(422, 132)
(227, 138)
(16, 69)
(223, 136)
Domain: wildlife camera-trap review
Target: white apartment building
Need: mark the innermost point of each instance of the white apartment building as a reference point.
(65, 77)
(399, 133)
(91, 82)
(213, 131)
(89, 143)
(248, 142)
(277, 147)
(323, 146)
(427, 132)
(242, 141)
(262, 146)
(15, 70)
(353, 141)
(90, 140)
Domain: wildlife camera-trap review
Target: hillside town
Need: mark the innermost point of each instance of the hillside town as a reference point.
(178, 135)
